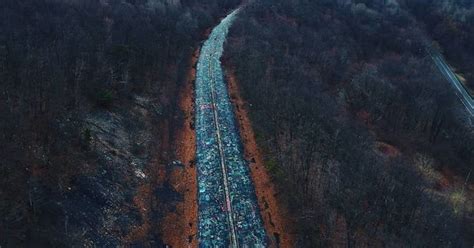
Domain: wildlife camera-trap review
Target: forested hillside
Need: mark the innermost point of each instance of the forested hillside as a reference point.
(366, 142)
(358, 127)
(88, 105)
(451, 24)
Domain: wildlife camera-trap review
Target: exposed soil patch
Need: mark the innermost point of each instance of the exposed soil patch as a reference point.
(387, 149)
(141, 201)
(274, 215)
(146, 200)
(179, 227)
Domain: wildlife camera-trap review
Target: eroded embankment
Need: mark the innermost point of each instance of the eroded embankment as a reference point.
(275, 216)
(179, 227)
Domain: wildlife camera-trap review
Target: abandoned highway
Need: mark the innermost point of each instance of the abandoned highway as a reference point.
(228, 212)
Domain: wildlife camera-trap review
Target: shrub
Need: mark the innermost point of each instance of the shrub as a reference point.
(105, 98)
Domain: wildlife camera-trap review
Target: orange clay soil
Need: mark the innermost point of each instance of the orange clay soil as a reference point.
(275, 216)
(179, 228)
(141, 201)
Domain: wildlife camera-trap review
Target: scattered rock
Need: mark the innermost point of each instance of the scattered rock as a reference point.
(140, 174)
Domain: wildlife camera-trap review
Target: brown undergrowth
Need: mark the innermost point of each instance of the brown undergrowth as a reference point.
(179, 227)
(275, 216)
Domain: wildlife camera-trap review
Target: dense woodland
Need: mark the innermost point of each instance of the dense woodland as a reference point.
(355, 122)
(451, 24)
(331, 85)
(72, 73)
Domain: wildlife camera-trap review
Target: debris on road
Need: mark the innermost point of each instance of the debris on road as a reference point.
(228, 210)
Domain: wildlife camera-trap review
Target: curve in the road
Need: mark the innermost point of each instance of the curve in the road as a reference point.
(463, 94)
(228, 210)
